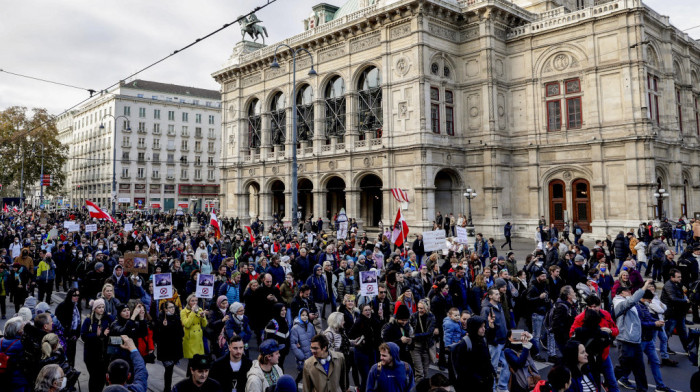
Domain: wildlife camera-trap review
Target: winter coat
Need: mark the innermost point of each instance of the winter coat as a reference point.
(423, 329)
(238, 327)
(452, 331)
(500, 326)
(563, 317)
(192, 342)
(319, 291)
(472, 359)
(315, 378)
(628, 320)
(620, 247)
(15, 379)
(300, 339)
(398, 378)
(605, 322)
(370, 329)
(167, 334)
(95, 346)
(122, 288)
(673, 297)
(256, 378)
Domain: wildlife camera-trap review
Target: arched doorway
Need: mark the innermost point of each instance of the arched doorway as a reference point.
(335, 196)
(305, 200)
(444, 187)
(684, 199)
(371, 200)
(252, 200)
(581, 198)
(278, 206)
(659, 212)
(557, 203)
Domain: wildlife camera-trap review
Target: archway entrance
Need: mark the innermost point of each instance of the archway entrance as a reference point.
(252, 200)
(444, 192)
(582, 204)
(305, 200)
(335, 196)
(557, 203)
(278, 206)
(371, 200)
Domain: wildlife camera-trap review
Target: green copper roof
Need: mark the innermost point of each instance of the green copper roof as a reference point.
(348, 8)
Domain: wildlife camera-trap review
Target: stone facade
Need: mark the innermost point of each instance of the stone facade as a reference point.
(543, 108)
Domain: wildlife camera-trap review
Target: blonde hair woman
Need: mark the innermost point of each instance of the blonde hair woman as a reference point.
(111, 302)
(194, 319)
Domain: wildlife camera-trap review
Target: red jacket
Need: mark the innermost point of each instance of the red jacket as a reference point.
(605, 322)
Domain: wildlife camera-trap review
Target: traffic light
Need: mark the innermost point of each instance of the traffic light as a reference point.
(46, 180)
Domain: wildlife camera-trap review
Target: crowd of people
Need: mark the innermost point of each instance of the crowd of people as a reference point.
(482, 318)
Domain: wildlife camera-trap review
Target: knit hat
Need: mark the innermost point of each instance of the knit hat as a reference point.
(200, 362)
(502, 258)
(500, 282)
(219, 300)
(42, 307)
(579, 258)
(97, 302)
(630, 264)
(402, 313)
(98, 265)
(538, 273)
(235, 307)
(120, 307)
(286, 384)
(25, 313)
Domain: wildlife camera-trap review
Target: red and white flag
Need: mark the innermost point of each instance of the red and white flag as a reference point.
(250, 233)
(400, 229)
(15, 209)
(215, 223)
(96, 212)
(5, 209)
(399, 194)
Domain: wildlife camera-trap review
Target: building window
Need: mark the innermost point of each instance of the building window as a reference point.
(210, 146)
(127, 110)
(197, 174)
(156, 143)
(679, 108)
(278, 121)
(183, 145)
(125, 172)
(156, 114)
(141, 157)
(653, 89)
(142, 112)
(156, 128)
(156, 157)
(305, 113)
(198, 161)
(142, 127)
(556, 99)
(171, 130)
(449, 113)
(139, 172)
(198, 132)
(211, 116)
(198, 118)
(171, 115)
(210, 174)
(142, 142)
(212, 133)
(125, 156)
(183, 174)
(335, 108)
(254, 123)
(210, 161)
(370, 116)
(185, 132)
(185, 116)
(697, 115)
(435, 109)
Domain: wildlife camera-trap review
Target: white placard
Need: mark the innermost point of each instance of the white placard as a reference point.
(310, 238)
(68, 224)
(128, 227)
(90, 228)
(434, 240)
(342, 231)
(163, 286)
(462, 235)
(124, 200)
(368, 283)
(205, 286)
(73, 228)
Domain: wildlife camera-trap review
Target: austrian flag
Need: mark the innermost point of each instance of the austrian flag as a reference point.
(96, 212)
(400, 229)
(215, 224)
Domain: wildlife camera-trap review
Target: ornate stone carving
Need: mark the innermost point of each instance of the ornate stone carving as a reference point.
(499, 33)
(474, 111)
(561, 62)
(251, 80)
(367, 162)
(251, 171)
(331, 165)
(275, 170)
(567, 175)
(365, 42)
(448, 158)
(230, 86)
(402, 65)
(276, 72)
(499, 67)
(442, 32)
(403, 110)
(400, 31)
(469, 34)
(300, 168)
(333, 53)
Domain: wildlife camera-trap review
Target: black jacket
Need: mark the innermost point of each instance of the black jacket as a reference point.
(472, 361)
(165, 335)
(673, 297)
(538, 305)
(187, 385)
(620, 247)
(228, 379)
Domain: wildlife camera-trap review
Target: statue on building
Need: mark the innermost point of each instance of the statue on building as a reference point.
(249, 25)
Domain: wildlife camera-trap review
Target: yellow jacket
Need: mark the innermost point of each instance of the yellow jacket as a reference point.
(193, 341)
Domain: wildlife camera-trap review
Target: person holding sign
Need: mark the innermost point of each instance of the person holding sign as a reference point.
(194, 319)
(169, 328)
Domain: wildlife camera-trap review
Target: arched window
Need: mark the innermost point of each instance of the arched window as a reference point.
(305, 113)
(278, 121)
(370, 104)
(254, 122)
(335, 108)
(684, 201)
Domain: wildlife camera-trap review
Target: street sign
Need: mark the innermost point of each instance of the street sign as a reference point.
(46, 180)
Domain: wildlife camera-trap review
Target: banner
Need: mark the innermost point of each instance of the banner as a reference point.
(162, 286)
(68, 224)
(368, 283)
(73, 228)
(128, 227)
(136, 262)
(90, 228)
(461, 235)
(342, 231)
(205, 286)
(434, 240)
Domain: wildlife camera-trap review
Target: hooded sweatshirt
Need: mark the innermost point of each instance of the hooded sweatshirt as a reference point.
(472, 358)
(319, 293)
(395, 378)
(300, 338)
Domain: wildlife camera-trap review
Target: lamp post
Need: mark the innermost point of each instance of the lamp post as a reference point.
(21, 185)
(470, 194)
(660, 195)
(114, 157)
(41, 178)
(312, 72)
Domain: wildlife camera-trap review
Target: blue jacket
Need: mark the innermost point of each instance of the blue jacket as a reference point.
(648, 320)
(627, 317)
(506, 230)
(122, 288)
(300, 339)
(500, 324)
(318, 286)
(277, 274)
(243, 329)
(452, 331)
(18, 382)
(140, 374)
(398, 378)
(232, 292)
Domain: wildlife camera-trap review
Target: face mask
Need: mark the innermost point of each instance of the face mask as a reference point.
(304, 318)
(74, 252)
(100, 247)
(239, 317)
(63, 383)
(114, 248)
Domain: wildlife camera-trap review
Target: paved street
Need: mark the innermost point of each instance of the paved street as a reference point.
(676, 378)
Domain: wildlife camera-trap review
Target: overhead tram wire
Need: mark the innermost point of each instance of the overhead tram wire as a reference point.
(198, 40)
(89, 90)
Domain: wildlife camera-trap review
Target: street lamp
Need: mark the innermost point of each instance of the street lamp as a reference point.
(114, 157)
(660, 195)
(312, 72)
(470, 194)
(41, 178)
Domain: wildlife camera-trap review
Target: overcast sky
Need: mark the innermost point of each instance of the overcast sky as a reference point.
(93, 44)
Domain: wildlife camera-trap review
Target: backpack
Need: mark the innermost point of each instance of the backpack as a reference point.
(548, 323)
(694, 292)
(659, 253)
(4, 358)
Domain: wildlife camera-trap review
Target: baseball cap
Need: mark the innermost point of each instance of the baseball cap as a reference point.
(269, 346)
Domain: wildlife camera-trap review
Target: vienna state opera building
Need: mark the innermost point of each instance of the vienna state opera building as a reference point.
(575, 110)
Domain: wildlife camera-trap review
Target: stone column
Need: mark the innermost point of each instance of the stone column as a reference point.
(265, 137)
(319, 197)
(352, 204)
(288, 205)
(351, 127)
(265, 198)
(319, 126)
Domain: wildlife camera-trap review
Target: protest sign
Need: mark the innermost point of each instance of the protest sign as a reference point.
(68, 224)
(461, 235)
(368, 283)
(73, 228)
(128, 227)
(90, 228)
(163, 286)
(136, 262)
(205, 286)
(434, 240)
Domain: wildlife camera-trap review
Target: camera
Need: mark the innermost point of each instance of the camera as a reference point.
(116, 340)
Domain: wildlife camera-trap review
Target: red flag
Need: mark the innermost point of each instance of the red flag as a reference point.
(400, 229)
(399, 194)
(250, 233)
(5, 209)
(15, 209)
(96, 212)
(215, 223)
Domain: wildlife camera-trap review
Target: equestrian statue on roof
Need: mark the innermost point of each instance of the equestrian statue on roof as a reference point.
(249, 25)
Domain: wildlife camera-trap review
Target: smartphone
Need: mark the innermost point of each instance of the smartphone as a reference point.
(116, 340)
(517, 334)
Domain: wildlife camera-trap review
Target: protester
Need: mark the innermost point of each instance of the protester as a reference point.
(199, 379)
(231, 370)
